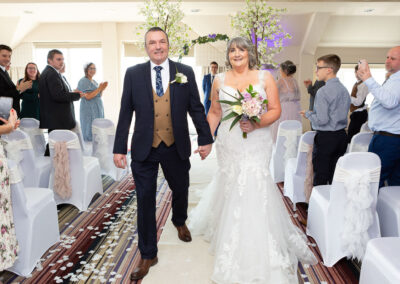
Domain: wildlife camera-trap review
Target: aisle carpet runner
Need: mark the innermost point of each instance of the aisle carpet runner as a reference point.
(343, 272)
(100, 245)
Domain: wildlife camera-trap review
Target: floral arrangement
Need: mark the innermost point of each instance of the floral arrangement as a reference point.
(261, 24)
(168, 16)
(203, 40)
(248, 106)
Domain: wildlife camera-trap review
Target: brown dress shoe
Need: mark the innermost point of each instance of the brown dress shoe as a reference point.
(143, 268)
(184, 233)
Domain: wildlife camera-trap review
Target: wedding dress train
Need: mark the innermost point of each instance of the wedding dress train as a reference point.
(241, 211)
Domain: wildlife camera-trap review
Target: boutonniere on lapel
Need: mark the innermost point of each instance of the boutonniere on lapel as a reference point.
(180, 78)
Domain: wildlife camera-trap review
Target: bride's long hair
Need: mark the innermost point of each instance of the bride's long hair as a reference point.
(242, 43)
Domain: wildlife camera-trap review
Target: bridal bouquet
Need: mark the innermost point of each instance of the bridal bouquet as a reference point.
(248, 106)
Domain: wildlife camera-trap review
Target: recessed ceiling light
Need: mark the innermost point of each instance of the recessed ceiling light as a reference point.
(195, 10)
(28, 12)
(368, 10)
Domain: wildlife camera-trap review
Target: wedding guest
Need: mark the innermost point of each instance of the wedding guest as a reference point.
(384, 117)
(91, 105)
(8, 240)
(30, 106)
(7, 86)
(312, 90)
(329, 119)
(207, 84)
(289, 96)
(358, 108)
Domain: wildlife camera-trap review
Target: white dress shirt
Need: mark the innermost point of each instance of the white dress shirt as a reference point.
(164, 75)
(3, 68)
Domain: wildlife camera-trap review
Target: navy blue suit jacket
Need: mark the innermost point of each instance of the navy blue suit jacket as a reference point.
(207, 91)
(137, 97)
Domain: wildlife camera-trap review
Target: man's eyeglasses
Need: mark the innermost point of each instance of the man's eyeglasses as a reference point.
(322, 67)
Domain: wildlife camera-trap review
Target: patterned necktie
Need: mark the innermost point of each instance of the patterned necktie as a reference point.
(159, 87)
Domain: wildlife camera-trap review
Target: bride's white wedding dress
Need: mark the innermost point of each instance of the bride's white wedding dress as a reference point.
(242, 214)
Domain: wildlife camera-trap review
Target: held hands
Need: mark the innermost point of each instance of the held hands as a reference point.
(363, 70)
(307, 83)
(204, 151)
(247, 126)
(24, 85)
(120, 161)
(12, 121)
(102, 86)
(303, 113)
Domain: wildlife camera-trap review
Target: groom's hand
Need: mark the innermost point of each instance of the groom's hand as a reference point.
(204, 151)
(120, 161)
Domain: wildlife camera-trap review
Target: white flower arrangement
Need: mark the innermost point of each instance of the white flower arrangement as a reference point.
(180, 78)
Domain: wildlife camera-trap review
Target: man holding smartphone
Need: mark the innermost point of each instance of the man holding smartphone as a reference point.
(384, 116)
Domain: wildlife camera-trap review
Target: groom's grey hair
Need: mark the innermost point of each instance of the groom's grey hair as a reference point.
(155, 29)
(242, 43)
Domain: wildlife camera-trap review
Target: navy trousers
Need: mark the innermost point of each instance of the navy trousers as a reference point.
(176, 172)
(388, 150)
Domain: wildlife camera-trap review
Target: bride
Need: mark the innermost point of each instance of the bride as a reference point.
(241, 212)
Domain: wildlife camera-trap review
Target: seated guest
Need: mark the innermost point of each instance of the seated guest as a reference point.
(7, 86)
(289, 96)
(30, 98)
(358, 108)
(91, 105)
(384, 117)
(329, 119)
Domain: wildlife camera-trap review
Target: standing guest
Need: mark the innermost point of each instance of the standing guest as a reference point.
(30, 106)
(91, 105)
(289, 96)
(7, 87)
(384, 117)
(56, 100)
(207, 84)
(358, 108)
(161, 138)
(8, 240)
(329, 119)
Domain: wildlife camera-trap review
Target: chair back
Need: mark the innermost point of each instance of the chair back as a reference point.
(353, 198)
(365, 128)
(360, 142)
(74, 156)
(20, 150)
(78, 131)
(31, 127)
(18, 196)
(108, 130)
(306, 140)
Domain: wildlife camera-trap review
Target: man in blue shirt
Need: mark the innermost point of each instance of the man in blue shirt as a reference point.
(329, 119)
(384, 117)
(207, 84)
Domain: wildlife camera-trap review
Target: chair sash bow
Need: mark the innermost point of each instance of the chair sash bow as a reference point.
(100, 136)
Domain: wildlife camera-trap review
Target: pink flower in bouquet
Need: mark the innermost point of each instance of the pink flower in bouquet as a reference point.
(252, 107)
(247, 97)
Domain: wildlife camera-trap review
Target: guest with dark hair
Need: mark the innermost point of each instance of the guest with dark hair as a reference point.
(30, 106)
(207, 84)
(7, 86)
(91, 105)
(329, 119)
(358, 108)
(289, 96)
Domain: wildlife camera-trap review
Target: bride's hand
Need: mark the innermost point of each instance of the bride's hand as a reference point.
(247, 126)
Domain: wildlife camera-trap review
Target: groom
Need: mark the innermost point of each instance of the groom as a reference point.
(160, 137)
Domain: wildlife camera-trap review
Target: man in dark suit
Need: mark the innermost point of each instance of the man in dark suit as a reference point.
(7, 87)
(56, 101)
(207, 84)
(161, 100)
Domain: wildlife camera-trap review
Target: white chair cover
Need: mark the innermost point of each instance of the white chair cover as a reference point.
(35, 220)
(365, 128)
(342, 217)
(85, 146)
(31, 127)
(388, 208)
(381, 263)
(295, 170)
(34, 170)
(85, 171)
(289, 133)
(103, 131)
(360, 142)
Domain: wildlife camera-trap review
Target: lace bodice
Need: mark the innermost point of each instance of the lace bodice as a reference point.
(288, 89)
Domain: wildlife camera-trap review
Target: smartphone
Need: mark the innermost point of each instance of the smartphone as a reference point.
(5, 107)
